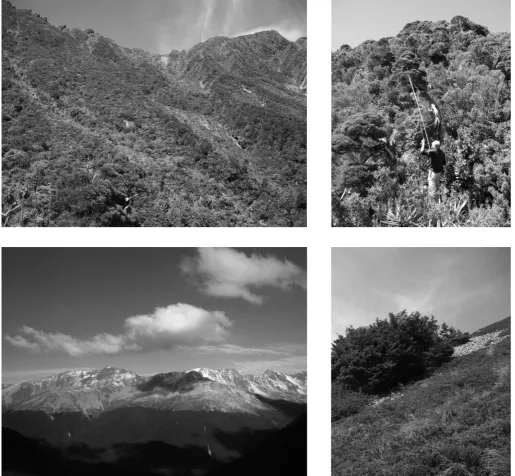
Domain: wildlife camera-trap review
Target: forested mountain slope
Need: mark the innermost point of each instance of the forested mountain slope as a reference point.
(95, 134)
(461, 75)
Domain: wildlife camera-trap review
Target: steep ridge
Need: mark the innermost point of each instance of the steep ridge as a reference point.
(95, 134)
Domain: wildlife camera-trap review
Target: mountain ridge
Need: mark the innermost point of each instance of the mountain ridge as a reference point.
(93, 392)
(96, 134)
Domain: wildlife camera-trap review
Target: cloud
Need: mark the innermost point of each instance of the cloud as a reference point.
(22, 343)
(99, 344)
(180, 25)
(236, 349)
(178, 324)
(166, 328)
(224, 272)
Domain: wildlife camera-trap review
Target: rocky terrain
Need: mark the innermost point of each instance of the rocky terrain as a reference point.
(96, 134)
(93, 392)
(480, 342)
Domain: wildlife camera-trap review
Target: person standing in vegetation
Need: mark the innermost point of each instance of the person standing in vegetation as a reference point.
(436, 165)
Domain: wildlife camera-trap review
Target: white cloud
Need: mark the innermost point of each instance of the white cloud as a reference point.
(178, 324)
(224, 272)
(236, 349)
(19, 341)
(165, 328)
(208, 13)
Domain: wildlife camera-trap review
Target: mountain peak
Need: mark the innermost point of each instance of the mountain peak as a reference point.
(95, 391)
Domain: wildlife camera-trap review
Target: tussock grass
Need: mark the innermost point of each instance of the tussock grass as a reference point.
(455, 423)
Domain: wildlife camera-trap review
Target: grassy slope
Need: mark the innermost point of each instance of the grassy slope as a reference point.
(454, 423)
(503, 325)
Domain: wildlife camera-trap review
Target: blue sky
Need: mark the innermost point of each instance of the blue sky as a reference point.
(354, 21)
(158, 26)
(152, 310)
(467, 288)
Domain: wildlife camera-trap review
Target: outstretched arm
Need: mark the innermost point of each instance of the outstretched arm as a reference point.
(423, 145)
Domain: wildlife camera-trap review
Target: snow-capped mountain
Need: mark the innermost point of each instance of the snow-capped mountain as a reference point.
(270, 384)
(93, 392)
(87, 391)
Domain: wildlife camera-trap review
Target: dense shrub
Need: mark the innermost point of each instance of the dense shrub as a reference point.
(402, 348)
(463, 71)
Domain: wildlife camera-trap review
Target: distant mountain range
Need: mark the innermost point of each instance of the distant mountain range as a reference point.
(204, 417)
(96, 134)
(93, 392)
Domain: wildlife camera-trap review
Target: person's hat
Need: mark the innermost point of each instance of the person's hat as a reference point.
(436, 144)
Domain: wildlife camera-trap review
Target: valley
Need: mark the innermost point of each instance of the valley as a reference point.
(217, 415)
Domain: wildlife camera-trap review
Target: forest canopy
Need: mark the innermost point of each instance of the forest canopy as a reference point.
(435, 81)
(95, 134)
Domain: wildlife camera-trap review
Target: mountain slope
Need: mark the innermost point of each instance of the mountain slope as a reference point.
(143, 459)
(95, 134)
(201, 417)
(284, 453)
(93, 392)
(460, 75)
(456, 422)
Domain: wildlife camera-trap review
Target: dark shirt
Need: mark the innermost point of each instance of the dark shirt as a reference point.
(436, 159)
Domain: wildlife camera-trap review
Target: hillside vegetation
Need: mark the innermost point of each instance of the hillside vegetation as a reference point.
(95, 134)
(453, 422)
(460, 76)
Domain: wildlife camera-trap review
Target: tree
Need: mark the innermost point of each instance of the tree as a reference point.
(376, 358)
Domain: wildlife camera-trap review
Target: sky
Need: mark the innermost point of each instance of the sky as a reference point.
(468, 288)
(158, 26)
(355, 21)
(152, 310)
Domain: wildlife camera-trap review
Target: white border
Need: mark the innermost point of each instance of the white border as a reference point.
(319, 237)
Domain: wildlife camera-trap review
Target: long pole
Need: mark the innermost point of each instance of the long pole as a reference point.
(419, 111)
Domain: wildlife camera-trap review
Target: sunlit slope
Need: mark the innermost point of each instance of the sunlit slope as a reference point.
(456, 422)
